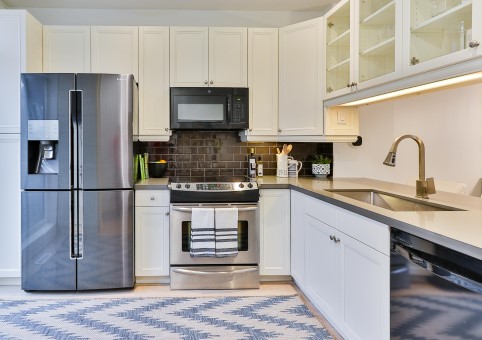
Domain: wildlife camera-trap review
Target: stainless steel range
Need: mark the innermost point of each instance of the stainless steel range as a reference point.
(206, 267)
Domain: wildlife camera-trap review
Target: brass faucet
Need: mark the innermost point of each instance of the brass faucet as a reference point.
(424, 186)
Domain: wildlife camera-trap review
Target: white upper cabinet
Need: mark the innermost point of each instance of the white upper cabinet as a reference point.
(66, 49)
(263, 81)
(201, 56)
(154, 83)
(440, 33)
(378, 40)
(339, 40)
(300, 79)
(114, 49)
(20, 51)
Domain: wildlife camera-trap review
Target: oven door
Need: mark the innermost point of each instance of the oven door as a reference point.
(248, 235)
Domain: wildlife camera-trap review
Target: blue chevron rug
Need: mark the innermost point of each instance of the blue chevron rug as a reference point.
(254, 317)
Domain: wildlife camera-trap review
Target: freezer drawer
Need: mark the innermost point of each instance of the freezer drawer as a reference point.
(46, 243)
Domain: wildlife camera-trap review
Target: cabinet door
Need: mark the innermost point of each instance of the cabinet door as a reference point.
(378, 41)
(439, 33)
(298, 238)
(189, 56)
(228, 57)
(154, 83)
(323, 268)
(366, 282)
(300, 96)
(339, 40)
(114, 49)
(10, 203)
(20, 51)
(66, 49)
(152, 241)
(263, 81)
(275, 232)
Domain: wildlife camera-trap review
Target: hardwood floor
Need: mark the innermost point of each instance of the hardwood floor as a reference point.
(159, 290)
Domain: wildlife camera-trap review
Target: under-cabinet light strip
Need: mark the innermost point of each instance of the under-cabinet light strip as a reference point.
(418, 89)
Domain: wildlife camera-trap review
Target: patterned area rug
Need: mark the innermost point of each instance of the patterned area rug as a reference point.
(254, 317)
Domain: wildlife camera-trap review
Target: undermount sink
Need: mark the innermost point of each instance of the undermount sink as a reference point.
(390, 201)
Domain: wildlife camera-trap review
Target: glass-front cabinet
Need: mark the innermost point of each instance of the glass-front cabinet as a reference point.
(338, 50)
(379, 24)
(363, 45)
(440, 32)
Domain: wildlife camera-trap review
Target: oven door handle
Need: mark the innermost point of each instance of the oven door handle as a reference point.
(205, 273)
(185, 209)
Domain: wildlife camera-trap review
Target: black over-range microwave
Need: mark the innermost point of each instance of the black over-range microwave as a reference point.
(209, 108)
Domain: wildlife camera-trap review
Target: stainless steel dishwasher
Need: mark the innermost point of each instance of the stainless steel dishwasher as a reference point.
(435, 292)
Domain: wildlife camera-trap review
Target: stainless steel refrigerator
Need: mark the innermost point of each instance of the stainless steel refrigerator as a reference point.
(76, 176)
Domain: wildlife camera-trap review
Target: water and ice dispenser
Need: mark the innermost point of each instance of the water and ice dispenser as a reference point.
(43, 139)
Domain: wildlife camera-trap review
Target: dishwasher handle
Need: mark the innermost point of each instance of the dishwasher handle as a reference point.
(438, 270)
(187, 209)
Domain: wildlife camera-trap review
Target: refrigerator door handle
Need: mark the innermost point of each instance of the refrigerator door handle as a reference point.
(80, 235)
(75, 113)
(76, 230)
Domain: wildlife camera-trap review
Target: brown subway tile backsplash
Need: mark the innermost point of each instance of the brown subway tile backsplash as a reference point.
(197, 154)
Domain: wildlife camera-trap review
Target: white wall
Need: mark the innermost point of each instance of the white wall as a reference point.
(55, 16)
(2, 5)
(448, 121)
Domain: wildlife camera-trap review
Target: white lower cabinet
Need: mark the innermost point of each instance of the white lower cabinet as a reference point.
(275, 232)
(151, 235)
(346, 267)
(298, 227)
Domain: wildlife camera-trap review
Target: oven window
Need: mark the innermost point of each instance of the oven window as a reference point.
(242, 236)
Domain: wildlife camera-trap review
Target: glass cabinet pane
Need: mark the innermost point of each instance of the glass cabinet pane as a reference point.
(438, 28)
(338, 49)
(376, 51)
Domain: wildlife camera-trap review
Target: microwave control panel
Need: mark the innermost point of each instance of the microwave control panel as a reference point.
(240, 110)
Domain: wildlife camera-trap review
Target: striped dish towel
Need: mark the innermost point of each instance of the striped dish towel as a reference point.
(202, 232)
(226, 228)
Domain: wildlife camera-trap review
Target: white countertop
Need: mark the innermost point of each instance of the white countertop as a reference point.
(459, 230)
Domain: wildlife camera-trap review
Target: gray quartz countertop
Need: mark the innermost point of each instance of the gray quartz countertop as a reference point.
(459, 230)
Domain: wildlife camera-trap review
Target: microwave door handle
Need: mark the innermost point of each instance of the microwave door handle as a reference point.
(230, 107)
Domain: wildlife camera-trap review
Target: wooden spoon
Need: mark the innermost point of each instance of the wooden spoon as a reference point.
(285, 149)
(289, 148)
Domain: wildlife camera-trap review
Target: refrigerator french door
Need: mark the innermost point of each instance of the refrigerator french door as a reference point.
(76, 171)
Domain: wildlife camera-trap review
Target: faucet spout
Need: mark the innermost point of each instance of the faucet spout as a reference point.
(424, 186)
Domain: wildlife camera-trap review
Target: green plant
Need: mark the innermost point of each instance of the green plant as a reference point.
(321, 159)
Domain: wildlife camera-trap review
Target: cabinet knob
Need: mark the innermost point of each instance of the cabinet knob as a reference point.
(152, 198)
(337, 240)
(473, 44)
(211, 82)
(206, 82)
(414, 61)
(332, 237)
(250, 130)
(167, 213)
(167, 129)
(279, 130)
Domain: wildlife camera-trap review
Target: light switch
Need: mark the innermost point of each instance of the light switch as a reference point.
(341, 117)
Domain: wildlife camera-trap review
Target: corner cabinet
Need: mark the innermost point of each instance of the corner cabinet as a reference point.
(66, 49)
(441, 33)
(214, 56)
(342, 263)
(363, 45)
(152, 236)
(274, 232)
(114, 49)
(154, 84)
(300, 79)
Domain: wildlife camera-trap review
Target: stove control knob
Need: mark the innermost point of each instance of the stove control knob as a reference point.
(178, 186)
(250, 185)
(187, 186)
(241, 185)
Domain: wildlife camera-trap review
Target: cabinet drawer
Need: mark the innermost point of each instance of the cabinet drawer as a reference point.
(152, 198)
(320, 210)
(363, 229)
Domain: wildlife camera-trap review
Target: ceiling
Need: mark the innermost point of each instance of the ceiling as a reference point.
(233, 5)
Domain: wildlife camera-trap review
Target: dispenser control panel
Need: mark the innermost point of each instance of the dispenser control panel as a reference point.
(43, 130)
